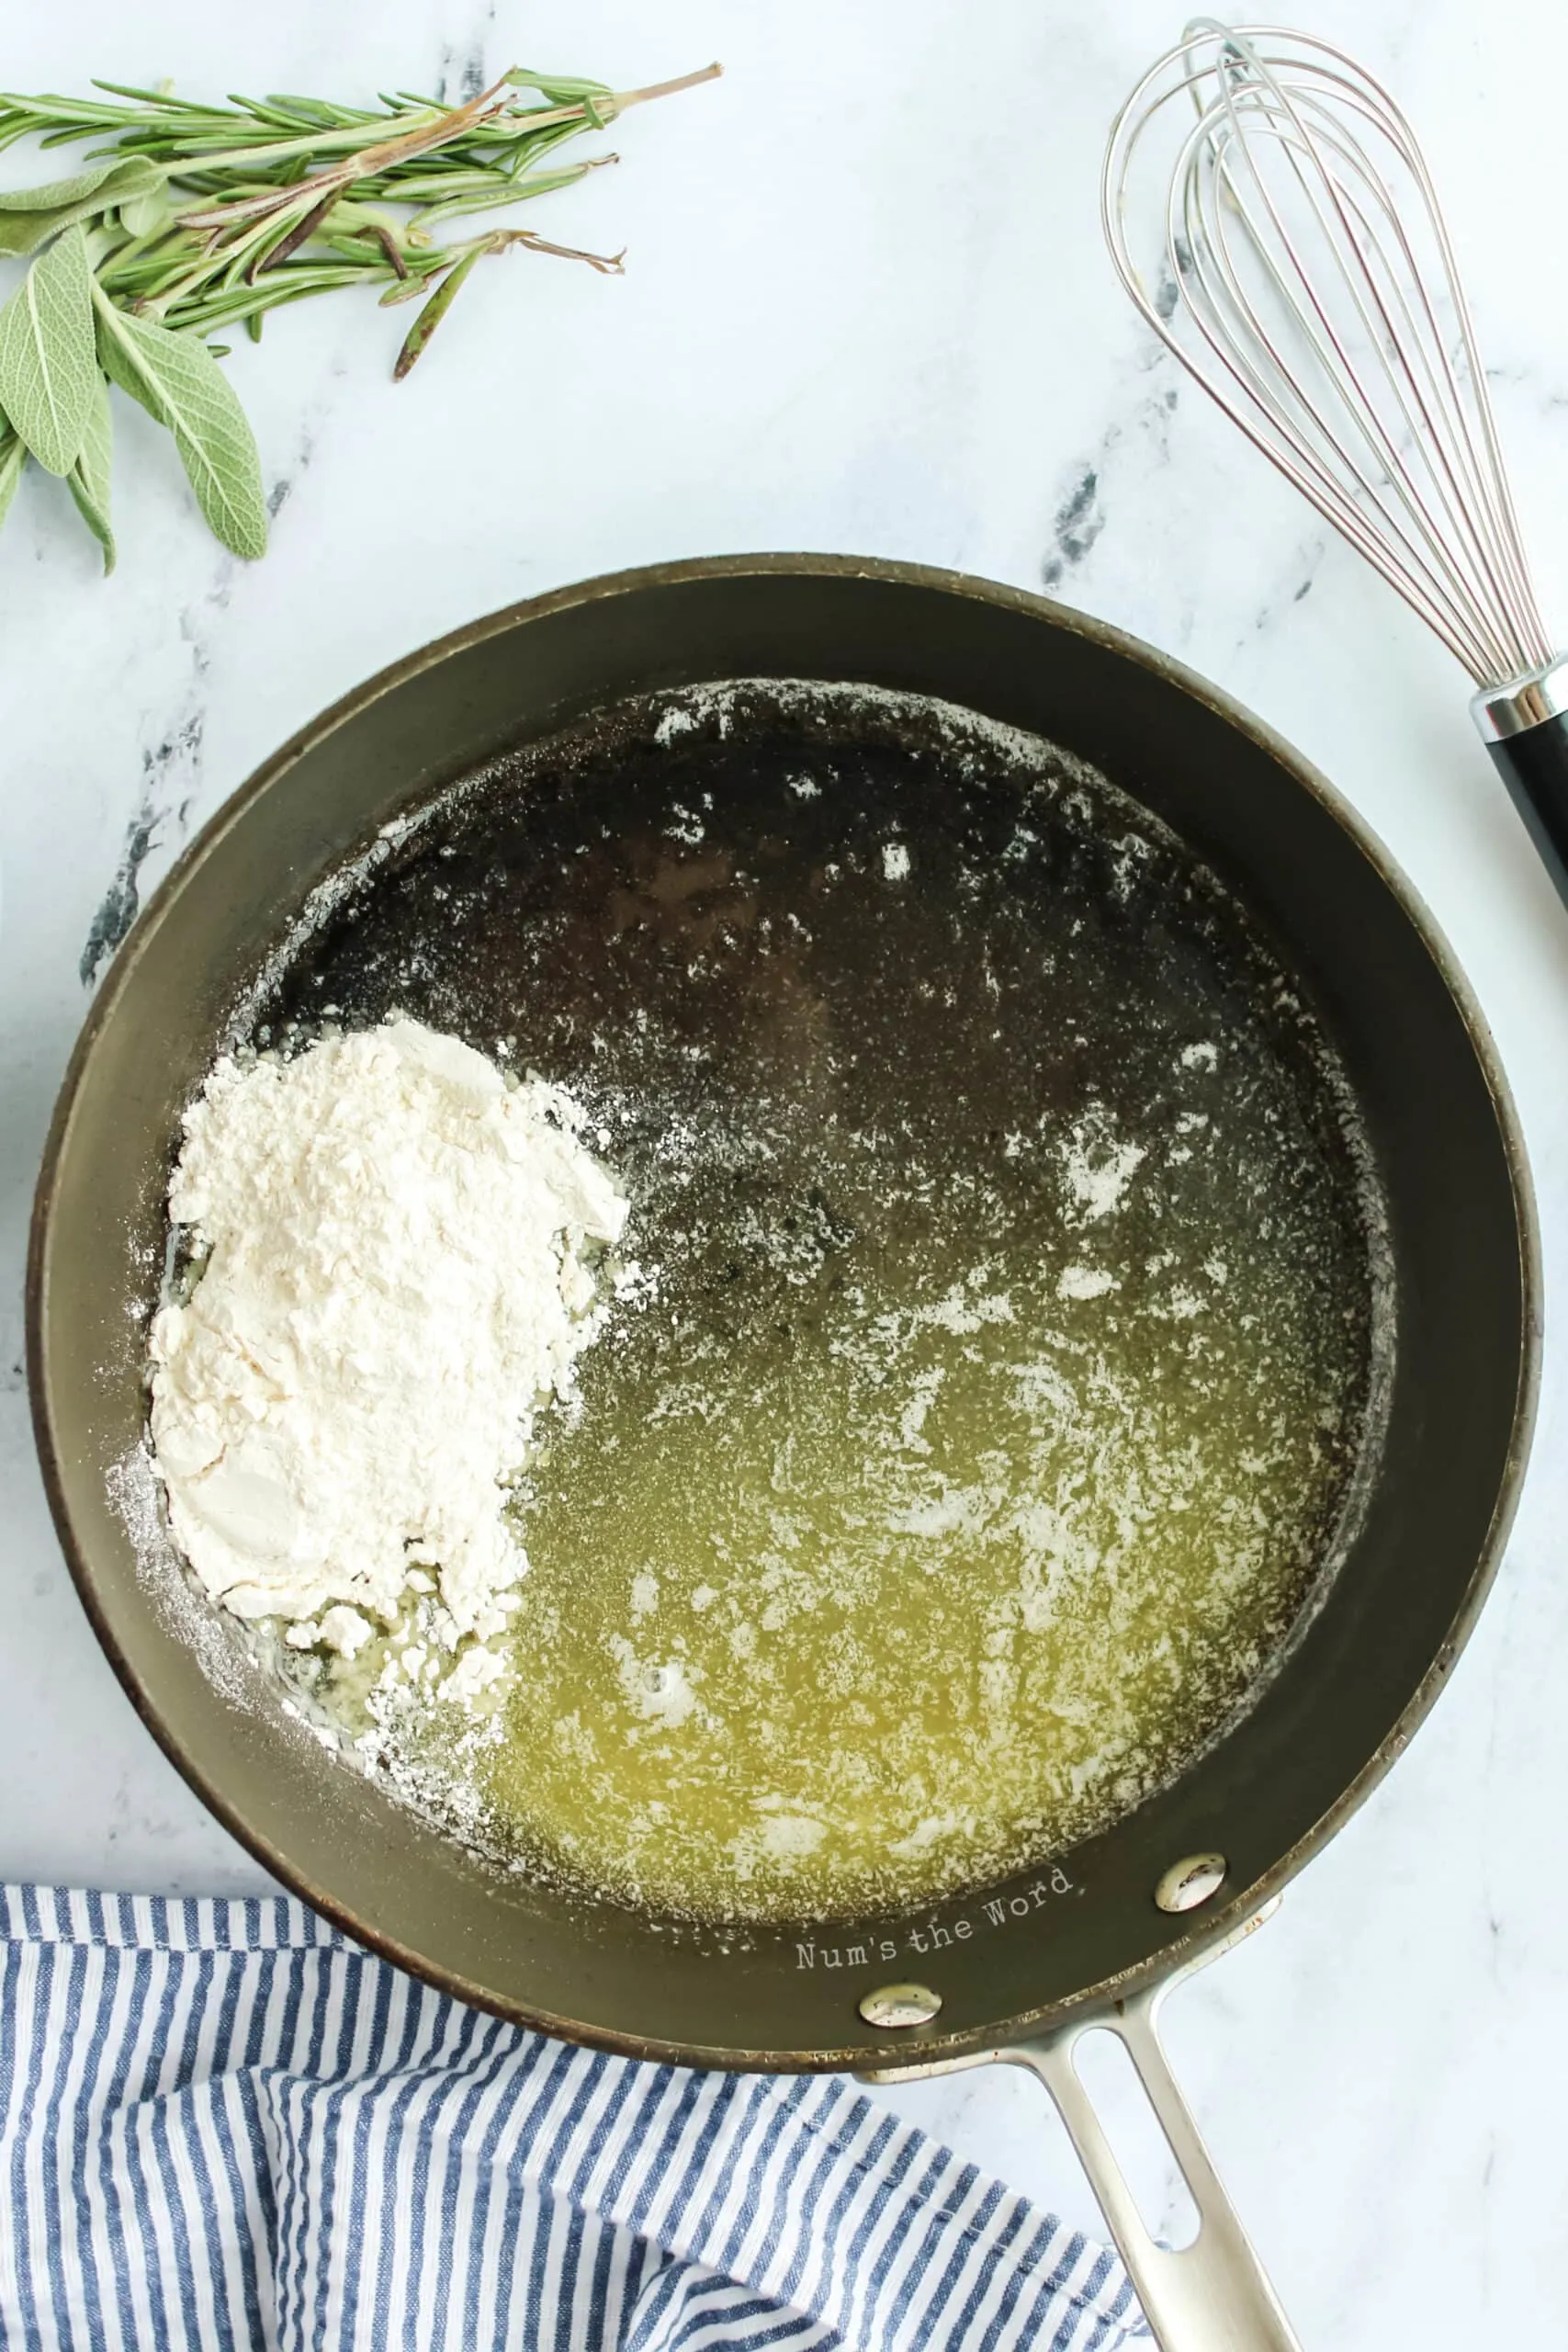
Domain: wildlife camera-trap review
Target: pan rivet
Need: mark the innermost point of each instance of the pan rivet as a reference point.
(1191, 1881)
(900, 2004)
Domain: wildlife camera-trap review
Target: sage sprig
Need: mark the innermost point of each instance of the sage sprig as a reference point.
(194, 220)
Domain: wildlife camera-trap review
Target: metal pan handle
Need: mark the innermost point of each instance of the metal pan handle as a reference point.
(1213, 2295)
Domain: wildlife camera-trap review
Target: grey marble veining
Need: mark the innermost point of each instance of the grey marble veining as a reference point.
(866, 308)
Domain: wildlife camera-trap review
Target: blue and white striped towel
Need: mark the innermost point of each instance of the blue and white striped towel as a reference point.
(223, 2124)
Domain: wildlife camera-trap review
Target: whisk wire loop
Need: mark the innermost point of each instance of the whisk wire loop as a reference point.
(1310, 286)
(1409, 382)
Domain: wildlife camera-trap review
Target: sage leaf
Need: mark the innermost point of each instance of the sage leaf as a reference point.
(47, 367)
(50, 195)
(179, 381)
(30, 216)
(89, 479)
(13, 458)
(146, 211)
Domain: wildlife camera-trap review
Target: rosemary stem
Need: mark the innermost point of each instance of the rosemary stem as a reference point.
(624, 98)
(344, 142)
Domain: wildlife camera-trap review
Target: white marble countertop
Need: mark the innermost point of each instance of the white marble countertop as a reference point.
(866, 309)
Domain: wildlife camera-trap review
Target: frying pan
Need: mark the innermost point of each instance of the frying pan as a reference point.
(1014, 1971)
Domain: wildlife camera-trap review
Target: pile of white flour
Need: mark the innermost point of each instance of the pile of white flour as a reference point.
(400, 1269)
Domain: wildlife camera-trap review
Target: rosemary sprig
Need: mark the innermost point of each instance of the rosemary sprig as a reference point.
(187, 219)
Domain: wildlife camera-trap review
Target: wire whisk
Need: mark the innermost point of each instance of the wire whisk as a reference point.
(1306, 279)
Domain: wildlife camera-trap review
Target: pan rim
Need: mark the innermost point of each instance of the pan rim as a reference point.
(930, 2047)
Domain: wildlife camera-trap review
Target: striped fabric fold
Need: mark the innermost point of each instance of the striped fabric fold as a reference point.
(223, 2124)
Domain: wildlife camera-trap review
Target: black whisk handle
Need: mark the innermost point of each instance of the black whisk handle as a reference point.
(1534, 766)
(1532, 760)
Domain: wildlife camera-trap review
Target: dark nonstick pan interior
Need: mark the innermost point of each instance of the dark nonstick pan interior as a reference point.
(203, 962)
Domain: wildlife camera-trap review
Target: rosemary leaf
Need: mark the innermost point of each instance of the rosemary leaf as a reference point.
(434, 310)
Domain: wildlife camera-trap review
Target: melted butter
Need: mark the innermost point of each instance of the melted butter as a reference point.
(1002, 1360)
(926, 1555)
